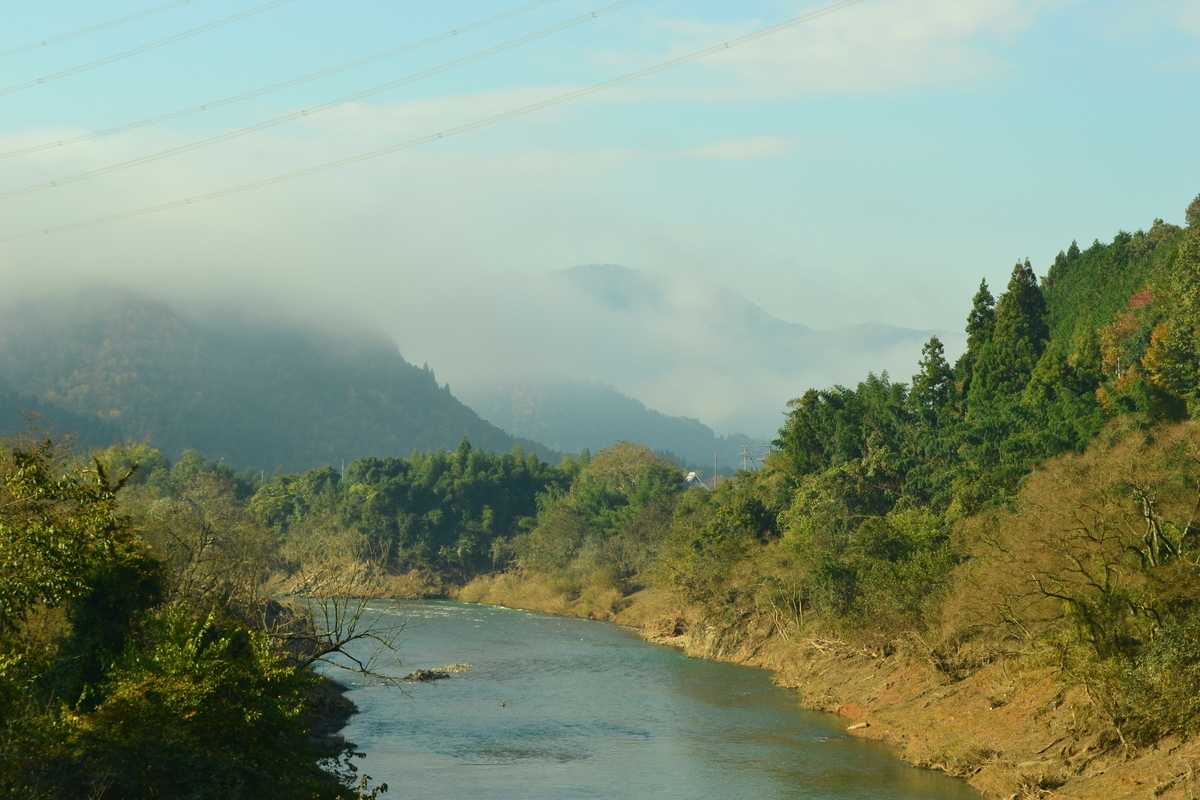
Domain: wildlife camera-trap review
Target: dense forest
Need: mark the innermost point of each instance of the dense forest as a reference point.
(1035, 499)
(88, 430)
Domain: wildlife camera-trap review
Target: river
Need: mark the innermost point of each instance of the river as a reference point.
(557, 708)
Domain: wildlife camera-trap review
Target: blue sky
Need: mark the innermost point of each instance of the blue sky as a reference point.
(871, 165)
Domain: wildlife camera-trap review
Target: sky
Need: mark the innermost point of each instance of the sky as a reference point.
(872, 164)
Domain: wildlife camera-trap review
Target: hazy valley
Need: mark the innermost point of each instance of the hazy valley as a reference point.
(545, 400)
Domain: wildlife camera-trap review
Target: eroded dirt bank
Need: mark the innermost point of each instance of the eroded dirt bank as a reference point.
(1012, 729)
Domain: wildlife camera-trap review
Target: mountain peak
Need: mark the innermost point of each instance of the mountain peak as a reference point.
(614, 286)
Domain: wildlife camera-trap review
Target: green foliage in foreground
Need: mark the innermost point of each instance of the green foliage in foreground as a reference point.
(128, 672)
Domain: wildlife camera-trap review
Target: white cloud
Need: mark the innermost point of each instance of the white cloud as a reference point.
(1189, 16)
(879, 47)
(410, 241)
(394, 240)
(394, 120)
(873, 47)
(741, 147)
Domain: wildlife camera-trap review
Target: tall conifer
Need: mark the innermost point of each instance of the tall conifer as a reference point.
(980, 323)
(1018, 340)
(932, 387)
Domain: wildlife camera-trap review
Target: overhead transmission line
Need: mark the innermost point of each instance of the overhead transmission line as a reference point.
(237, 98)
(445, 134)
(305, 112)
(179, 37)
(12, 51)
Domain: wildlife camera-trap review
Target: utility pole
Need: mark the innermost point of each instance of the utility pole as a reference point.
(766, 451)
(714, 472)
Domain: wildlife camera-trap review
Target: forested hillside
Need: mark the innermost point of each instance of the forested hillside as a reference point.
(17, 411)
(255, 395)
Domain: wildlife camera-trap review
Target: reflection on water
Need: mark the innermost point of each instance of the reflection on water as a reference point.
(557, 708)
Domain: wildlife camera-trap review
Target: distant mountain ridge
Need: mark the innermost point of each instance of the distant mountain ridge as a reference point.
(253, 394)
(678, 345)
(570, 416)
(625, 289)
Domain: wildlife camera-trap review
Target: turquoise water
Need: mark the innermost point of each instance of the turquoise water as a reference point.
(557, 708)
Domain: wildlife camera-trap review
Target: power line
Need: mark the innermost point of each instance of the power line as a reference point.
(450, 34)
(433, 137)
(94, 28)
(143, 48)
(234, 134)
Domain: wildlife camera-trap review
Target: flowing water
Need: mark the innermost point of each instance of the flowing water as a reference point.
(556, 708)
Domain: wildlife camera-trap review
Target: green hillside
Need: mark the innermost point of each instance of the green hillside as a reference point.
(250, 394)
(1084, 289)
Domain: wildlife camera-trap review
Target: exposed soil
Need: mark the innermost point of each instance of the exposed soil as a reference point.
(1012, 728)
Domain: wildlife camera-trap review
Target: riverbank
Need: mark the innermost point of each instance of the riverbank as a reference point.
(1012, 728)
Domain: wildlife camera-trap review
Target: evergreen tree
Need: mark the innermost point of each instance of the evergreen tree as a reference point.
(980, 323)
(1018, 340)
(1050, 376)
(1085, 351)
(933, 386)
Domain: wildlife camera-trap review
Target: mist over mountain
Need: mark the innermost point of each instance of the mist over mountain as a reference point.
(250, 392)
(681, 347)
(572, 415)
(573, 359)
